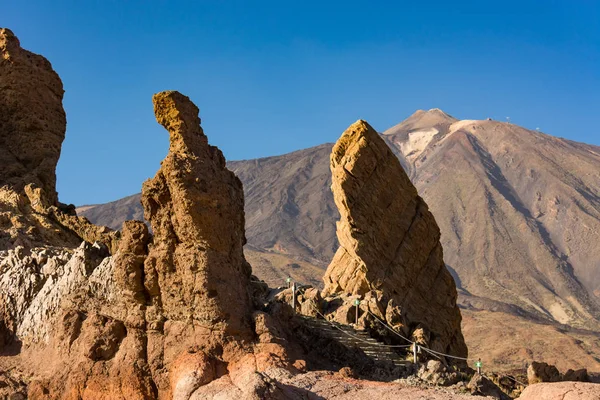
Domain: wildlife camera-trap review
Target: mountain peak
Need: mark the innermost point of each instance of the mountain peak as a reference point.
(422, 119)
(440, 112)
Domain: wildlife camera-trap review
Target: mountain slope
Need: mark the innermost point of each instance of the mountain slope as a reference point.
(289, 206)
(518, 212)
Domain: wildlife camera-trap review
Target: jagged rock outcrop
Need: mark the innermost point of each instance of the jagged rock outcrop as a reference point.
(85, 314)
(195, 276)
(538, 372)
(42, 258)
(481, 385)
(32, 129)
(165, 317)
(32, 121)
(542, 372)
(390, 253)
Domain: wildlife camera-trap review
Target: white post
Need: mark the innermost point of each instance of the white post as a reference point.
(415, 359)
(294, 296)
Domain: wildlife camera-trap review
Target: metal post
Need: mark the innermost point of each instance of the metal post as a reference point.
(294, 296)
(415, 359)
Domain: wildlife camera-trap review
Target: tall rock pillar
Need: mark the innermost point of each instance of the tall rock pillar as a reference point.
(196, 274)
(390, 243)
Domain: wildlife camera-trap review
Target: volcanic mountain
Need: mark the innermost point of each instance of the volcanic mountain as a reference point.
(519, 212)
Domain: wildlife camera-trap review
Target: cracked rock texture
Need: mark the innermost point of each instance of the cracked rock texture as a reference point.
(562, 391)
(32, 129)
(196, 275)
(32, 121)
(390, 252)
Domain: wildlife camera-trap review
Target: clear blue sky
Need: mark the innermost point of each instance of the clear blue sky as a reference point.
(278, 76)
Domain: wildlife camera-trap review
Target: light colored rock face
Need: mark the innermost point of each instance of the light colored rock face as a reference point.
(195, 273)
(562, 391)
(389, 242)
(32, 119)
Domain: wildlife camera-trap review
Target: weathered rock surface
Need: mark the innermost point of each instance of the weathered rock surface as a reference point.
(41, 261)
(436, 373)
(196, 208)
(481, 386)
(32, 121)
(538, 372)
(32, 129)
(195, 278)
(579, 375)
(562, 391)
(390, 253)
(542, 372)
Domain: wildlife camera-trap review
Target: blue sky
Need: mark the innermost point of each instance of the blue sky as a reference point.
(278, 76)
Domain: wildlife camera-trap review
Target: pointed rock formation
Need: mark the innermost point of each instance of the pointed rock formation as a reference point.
(196, 273)
(390, 249)
(196, 279)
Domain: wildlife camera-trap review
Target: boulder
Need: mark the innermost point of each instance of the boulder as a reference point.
(580, 375)
(562, 391)
(389, 243)
(481, 386)
(542, 372)
(347, 372)
(310, 302)
(436, 373)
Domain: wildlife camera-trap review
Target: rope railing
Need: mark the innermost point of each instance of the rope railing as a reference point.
(389, 327)
(434, 353)
(509, 377)
(356, 337)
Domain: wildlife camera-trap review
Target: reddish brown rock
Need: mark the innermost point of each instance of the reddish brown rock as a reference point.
(542, 372)
(562, 391)
(166, 315)
(32, 119)
(32, 129)
(389, 242)
(195, 274)
(480, 385)
(580, 375)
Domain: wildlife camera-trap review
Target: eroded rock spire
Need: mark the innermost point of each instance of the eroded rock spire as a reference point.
(196, 271)
(390, 247)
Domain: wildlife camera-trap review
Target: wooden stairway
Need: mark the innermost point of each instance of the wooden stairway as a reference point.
(350, 337)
